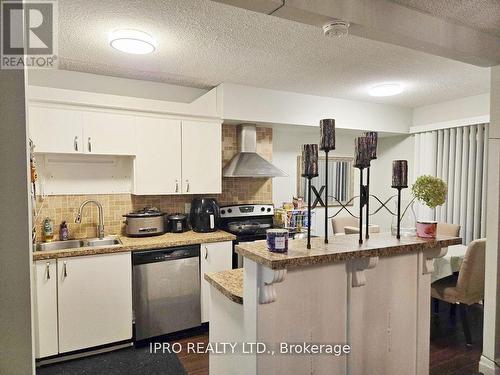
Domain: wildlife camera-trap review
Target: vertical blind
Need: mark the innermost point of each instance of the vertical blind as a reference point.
(458, 156)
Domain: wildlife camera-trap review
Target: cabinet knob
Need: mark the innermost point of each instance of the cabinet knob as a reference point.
(206, 252)
(176, 186)
(187, 186)
(65, 272)
(89, 143)
(75, 143)
(47, 270)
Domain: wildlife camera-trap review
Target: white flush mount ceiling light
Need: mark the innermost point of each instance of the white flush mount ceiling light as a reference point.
(336, 28)
(132, 41)
(386, 89)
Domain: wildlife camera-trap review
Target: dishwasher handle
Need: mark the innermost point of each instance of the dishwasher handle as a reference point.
(164, 255)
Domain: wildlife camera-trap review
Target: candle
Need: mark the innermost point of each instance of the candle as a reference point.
(400, 174)
(310, 160)
(327, 130)
(361, 153)
(372, 144)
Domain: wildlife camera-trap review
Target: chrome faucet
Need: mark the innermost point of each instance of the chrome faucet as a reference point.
(100, 226)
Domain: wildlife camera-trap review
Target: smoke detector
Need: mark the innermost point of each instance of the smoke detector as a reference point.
(336, 28)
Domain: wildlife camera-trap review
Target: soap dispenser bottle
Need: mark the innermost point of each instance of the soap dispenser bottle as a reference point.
(63, 231)
(48, 230)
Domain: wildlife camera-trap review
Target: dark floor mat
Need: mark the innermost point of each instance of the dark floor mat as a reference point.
(128, 361)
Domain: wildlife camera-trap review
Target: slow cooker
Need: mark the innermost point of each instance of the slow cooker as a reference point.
(148, 221)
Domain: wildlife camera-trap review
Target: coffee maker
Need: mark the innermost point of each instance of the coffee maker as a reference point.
(204, 215)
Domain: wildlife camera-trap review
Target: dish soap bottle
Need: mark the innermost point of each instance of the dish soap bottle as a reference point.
(63, 231)
(48, 230)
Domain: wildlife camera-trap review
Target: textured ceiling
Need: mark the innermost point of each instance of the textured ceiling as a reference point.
(481, 15)
(203, 43)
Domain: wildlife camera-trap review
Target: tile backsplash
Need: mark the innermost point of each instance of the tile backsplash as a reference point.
(234, 191)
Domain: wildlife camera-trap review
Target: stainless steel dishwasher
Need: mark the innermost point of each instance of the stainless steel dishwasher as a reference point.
(166, 290)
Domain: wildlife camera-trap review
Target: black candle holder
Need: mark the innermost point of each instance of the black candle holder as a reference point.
(327, 143)
(309, 207)
(372, 139)
(362, 161)
(399, 182)
(310, 168)
(398, 233)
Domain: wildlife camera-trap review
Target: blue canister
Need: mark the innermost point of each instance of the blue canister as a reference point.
(277, 240)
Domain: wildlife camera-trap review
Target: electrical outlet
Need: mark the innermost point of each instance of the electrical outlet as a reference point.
(187, 208)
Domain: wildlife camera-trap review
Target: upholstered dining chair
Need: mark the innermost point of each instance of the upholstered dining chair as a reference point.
(446, 229)
(468, 287)
(339, 223)
(355, 230)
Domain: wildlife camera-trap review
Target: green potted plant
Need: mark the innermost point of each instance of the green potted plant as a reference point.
(432, 192)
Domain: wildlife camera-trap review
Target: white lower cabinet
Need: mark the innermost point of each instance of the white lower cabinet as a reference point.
(45, 301)
(215, 257)
(94, 300)
(81, 302)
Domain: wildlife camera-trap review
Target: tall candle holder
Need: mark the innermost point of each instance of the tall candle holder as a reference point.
(310, 170)
(327, 143)
(372, 138)
(361, 161)
(399, 182)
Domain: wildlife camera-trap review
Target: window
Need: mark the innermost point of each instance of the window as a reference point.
(340, 179)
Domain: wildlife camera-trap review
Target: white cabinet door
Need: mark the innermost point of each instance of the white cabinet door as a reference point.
(55, 130)
(45, 309)
(215, 257)
(201, 157)
(157, 165)
(108, 133)
(94, 300)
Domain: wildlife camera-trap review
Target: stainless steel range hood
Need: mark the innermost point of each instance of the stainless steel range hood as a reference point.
(247, 163)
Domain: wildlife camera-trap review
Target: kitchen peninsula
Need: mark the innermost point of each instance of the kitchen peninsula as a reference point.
(374, 297)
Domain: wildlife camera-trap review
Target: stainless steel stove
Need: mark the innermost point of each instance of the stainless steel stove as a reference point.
(248, 222)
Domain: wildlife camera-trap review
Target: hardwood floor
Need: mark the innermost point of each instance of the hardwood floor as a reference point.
(449, 354)
(194, 364)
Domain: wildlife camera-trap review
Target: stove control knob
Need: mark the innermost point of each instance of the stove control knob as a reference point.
(269, 209)
(223, 212)
(262, 209)
(229, 210)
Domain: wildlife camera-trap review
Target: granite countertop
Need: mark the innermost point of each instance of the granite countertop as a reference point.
(137, 244)
(339, 248)
(229, 283)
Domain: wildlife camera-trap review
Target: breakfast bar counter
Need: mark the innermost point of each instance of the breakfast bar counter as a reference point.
(340, 248)
(373, 297)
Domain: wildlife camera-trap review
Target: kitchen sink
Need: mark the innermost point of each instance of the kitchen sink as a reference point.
(73, 244)
(94, 242)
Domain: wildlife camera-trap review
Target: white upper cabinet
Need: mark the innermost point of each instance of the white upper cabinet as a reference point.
(201, 157)
(108, 133)
(172, 156)
(68, 130)
(157, 165)
(55, 130)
